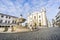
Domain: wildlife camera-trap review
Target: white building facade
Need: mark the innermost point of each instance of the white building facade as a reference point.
(7, 22)
(58, 19)
(56, 22)
(37, 19)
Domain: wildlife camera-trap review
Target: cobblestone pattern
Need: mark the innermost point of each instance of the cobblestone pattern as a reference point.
(42, 34)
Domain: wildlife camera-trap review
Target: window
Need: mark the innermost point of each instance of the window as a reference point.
(39, 16)
(30, 25)
(2, 16)
(9, 17)
(39, 20)
(13, 21)
(39, 24)
(1, 21)
(6, 16)
(34, 17)
(8, 21)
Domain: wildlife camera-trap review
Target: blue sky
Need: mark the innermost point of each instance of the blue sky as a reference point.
(17, 7)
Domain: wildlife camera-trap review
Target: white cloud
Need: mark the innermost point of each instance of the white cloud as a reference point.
(23, 7)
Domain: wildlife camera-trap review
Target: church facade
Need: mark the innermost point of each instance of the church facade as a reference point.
(37, 18)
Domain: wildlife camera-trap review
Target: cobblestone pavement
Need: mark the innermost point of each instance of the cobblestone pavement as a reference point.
(42, 34)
